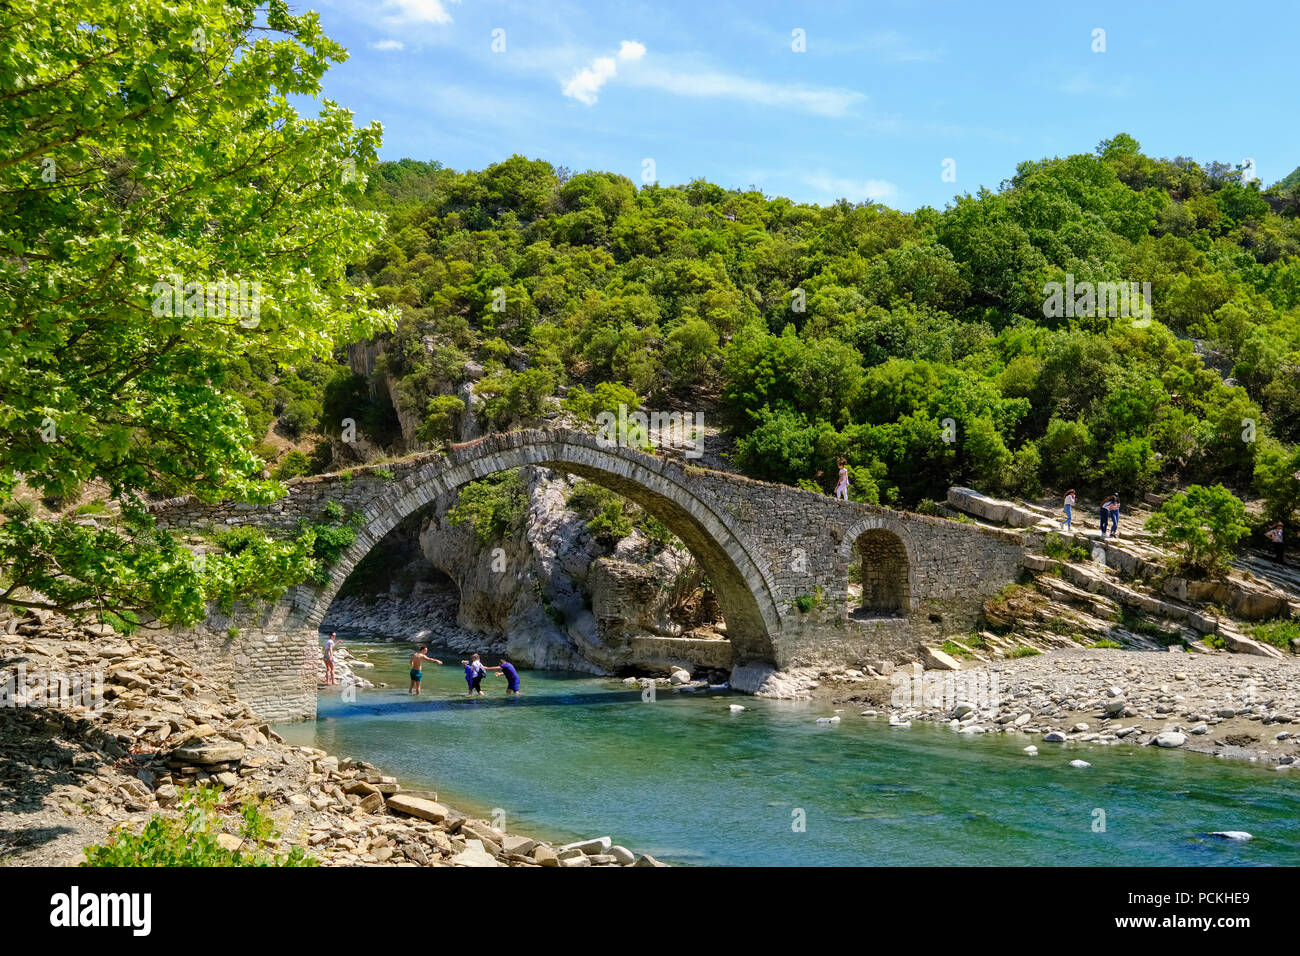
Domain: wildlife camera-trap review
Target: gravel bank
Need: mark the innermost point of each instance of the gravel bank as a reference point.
(1232, 706)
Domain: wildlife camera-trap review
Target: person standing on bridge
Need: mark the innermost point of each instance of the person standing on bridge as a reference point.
(417, 669)
(1068, 524)
(842, 482)
(1275, 535)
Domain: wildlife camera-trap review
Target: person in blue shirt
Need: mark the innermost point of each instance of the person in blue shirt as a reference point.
(511, 675)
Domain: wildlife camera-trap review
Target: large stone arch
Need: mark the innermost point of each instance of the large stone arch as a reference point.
(744, 587)
(895, 549)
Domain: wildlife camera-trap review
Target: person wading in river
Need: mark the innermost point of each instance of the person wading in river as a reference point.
(417, 669)
(474, 671)
(511, 675)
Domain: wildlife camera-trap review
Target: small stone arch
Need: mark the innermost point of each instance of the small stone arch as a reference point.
(885, 549)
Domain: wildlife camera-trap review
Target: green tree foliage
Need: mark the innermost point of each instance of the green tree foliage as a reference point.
(1202, 525)
(144, 144)
(441, 417)
(608, 517)
(860, 331)
(494, 507)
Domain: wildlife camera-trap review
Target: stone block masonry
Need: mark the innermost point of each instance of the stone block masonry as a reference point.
(779, 557)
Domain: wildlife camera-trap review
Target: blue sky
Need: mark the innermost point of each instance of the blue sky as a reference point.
(883, 93)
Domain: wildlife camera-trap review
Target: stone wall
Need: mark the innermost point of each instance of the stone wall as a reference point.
(271, 666)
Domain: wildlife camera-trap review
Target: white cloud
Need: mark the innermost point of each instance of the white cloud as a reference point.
(856, 190)
(417, 11)
(584, 86)
(824, 101)
(387, 45)
(895, 48)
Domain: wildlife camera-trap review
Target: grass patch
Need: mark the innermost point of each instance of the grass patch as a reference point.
(1024, 652)
(1278, 633)
(1062, 549)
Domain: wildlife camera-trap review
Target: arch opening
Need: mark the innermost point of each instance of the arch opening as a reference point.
(884, 573)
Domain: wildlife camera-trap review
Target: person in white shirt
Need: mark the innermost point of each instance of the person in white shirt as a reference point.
(1067, 525)
(1274, 534)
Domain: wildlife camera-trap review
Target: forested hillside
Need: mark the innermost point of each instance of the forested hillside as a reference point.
(857, 330)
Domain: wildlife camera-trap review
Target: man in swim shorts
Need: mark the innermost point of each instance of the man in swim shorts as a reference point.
(417, 669)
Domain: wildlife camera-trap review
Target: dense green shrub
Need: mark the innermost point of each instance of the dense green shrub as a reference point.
(1201, 525)
(189, 838)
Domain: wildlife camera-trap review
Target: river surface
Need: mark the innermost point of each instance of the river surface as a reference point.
(689, 781)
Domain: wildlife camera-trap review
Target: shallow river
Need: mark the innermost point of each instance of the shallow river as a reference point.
(687, 780)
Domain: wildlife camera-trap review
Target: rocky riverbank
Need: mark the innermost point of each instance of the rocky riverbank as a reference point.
(1228, 705)
(427, 616)
(136, 724)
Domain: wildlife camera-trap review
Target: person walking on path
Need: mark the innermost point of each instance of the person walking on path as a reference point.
(331, 647)
(1274, 534)
(1114, 516)
(1105, 515)
(1068, 523)
(842, 482)
(417, 669)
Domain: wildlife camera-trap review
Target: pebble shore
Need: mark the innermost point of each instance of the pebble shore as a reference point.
(1227, 705)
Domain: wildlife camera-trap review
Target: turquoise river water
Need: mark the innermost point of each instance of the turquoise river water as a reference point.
(689, 781)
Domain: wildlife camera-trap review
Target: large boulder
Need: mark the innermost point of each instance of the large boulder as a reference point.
(209, 751)
(429, 810)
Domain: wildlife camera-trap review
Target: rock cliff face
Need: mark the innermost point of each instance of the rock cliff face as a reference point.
(551, 594)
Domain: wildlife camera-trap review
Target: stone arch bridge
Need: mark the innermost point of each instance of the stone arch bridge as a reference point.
(779, 559)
